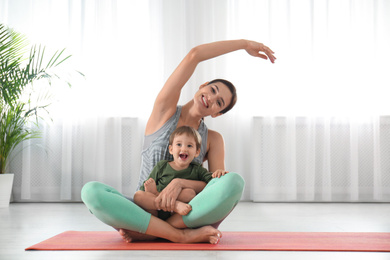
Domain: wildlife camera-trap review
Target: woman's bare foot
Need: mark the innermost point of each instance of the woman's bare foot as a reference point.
(204, 234)
(182, 208)
(131, 236)
(150, 186)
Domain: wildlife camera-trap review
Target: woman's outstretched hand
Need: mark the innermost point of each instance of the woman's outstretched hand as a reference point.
(166, 200)
(257, 49)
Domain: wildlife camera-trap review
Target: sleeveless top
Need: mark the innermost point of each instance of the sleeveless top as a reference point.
(155, 147)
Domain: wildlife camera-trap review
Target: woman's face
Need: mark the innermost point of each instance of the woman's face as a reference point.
(212, 99)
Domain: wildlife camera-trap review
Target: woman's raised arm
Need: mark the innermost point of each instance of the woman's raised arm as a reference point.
(166, 101)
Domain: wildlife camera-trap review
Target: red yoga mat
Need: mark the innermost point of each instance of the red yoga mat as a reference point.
(234, 241)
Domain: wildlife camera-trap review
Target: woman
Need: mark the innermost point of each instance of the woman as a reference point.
(219, 197)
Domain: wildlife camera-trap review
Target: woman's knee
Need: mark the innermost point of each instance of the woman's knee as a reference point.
(230, 188)
(230, 183)
(216, 201)
(89, 188)
(235, 182)
(90, 193)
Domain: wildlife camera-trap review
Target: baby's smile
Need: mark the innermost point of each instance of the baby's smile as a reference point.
(183, 156)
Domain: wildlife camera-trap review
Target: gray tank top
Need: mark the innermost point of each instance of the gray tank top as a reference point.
(155, 147)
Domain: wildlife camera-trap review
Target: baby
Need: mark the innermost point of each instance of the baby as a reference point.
(184, 145)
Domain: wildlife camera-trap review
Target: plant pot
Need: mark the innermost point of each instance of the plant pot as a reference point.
(6, 181)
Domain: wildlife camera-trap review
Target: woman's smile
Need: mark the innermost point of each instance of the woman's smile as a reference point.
(204, 101)
(213, 97)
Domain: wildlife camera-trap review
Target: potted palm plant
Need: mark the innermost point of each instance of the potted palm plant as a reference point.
(19, 110)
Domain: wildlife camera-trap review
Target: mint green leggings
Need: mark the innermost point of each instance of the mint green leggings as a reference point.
(209, 207)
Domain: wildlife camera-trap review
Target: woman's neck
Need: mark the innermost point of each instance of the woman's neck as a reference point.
(189, 116)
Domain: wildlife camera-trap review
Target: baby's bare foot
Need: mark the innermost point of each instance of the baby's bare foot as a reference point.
(131, 236)
(150, 186)
(182, 208)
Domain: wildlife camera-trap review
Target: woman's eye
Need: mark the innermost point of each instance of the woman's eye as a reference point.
(213, 90)
(219, 103)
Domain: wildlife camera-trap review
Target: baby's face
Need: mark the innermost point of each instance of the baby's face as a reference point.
(184, 150)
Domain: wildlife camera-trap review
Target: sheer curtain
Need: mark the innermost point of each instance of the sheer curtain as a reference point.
(311, 127)
(321, 159)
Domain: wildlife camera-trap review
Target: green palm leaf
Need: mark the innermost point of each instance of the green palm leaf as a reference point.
(17, 75)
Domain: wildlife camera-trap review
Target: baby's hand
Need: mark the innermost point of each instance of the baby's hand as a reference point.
(219, 173)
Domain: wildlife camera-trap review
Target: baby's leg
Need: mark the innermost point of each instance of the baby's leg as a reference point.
(186, 195)
(213, 204)
(146, 201)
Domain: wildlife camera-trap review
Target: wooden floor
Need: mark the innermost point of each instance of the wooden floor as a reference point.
(25, 224)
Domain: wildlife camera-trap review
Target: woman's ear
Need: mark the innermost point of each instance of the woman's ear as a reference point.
(217, 115)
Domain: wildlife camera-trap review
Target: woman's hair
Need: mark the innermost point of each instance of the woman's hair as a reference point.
(232, 89)
(188, 130)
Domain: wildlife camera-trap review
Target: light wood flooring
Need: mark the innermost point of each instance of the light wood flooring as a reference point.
(25, 224)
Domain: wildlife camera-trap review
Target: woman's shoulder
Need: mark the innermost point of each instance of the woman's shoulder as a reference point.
(214, 136)
(152, 133)
(159, 118)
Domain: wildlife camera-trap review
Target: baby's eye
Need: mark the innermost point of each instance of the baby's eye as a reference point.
(189, 146)
(178, 145)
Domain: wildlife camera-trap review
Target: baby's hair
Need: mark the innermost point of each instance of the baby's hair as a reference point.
(188, 130)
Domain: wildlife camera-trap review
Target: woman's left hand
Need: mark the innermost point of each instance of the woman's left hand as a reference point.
(166, 200)
(218, 173)
(255, 48)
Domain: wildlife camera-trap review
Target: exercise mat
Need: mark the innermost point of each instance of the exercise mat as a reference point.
(230, 241)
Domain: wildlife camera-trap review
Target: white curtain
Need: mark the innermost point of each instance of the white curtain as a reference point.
(71, 153)
(310, 127)
(321, 159)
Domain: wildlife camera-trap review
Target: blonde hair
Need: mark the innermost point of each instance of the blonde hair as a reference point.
(188, 130)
